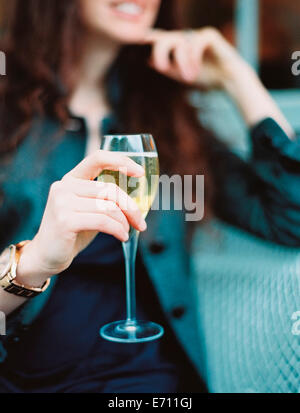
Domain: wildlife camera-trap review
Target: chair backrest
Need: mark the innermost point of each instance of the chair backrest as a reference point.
(248, 294)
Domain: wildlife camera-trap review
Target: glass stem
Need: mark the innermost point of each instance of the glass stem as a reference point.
(130, 249)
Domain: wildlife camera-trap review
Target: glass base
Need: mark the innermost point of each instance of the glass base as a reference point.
(131, 331)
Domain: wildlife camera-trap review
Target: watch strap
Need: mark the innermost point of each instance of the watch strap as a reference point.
(27, 292)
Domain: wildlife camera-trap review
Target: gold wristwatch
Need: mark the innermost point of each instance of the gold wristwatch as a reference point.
(8, 267)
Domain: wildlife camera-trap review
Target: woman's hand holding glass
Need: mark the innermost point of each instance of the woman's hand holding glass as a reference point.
(78, 208)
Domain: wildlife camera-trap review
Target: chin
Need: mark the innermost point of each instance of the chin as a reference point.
(128, 36)
(124, 21)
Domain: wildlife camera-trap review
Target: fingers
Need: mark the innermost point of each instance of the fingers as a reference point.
(185, 61)
(99, 223)
(174, 55)
(109, 192)
(160, 58)
(181, 55)
(101, 206)
(93, 165)
(164, 44)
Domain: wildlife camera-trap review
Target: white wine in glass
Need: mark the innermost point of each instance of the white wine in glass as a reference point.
(141, 149)
(142, 190)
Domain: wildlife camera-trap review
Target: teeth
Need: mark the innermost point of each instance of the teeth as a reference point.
(129, 8)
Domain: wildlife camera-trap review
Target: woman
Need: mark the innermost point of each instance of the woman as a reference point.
(71, 65)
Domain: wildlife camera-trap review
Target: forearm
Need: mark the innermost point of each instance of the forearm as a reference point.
(252, 98)
(10, 302)
(263, 200)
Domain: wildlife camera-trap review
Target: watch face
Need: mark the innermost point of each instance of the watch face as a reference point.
(5, 262)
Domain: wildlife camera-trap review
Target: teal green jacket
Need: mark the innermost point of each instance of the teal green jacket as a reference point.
(261, 196)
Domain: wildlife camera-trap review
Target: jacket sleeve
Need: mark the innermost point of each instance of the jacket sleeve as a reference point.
(262, 195)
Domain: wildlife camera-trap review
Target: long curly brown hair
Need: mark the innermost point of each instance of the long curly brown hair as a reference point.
(39, 44)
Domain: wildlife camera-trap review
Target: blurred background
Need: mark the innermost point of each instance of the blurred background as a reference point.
(266, 32)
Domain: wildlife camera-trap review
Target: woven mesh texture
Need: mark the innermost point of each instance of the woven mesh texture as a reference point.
(248, 296)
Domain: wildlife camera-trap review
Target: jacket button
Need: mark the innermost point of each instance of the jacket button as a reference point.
(157, 247)
(178, 312)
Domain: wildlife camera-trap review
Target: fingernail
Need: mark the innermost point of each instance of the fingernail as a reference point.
(126, 236)
(143, 225)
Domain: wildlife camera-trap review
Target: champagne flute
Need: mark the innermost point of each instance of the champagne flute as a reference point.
(141, 149)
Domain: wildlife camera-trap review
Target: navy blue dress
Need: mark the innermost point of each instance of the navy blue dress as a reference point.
(63, 352)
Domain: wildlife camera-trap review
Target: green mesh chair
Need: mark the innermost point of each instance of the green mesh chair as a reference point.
(248, 296)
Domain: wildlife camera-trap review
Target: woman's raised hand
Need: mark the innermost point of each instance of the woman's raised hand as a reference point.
(206, 59)
(78, 208)
(201, 57)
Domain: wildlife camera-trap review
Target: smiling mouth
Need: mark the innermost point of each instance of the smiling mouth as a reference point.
(128, 9)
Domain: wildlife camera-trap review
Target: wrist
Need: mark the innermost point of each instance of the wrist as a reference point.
(240, 77)
(29, 270)
(249, 94)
